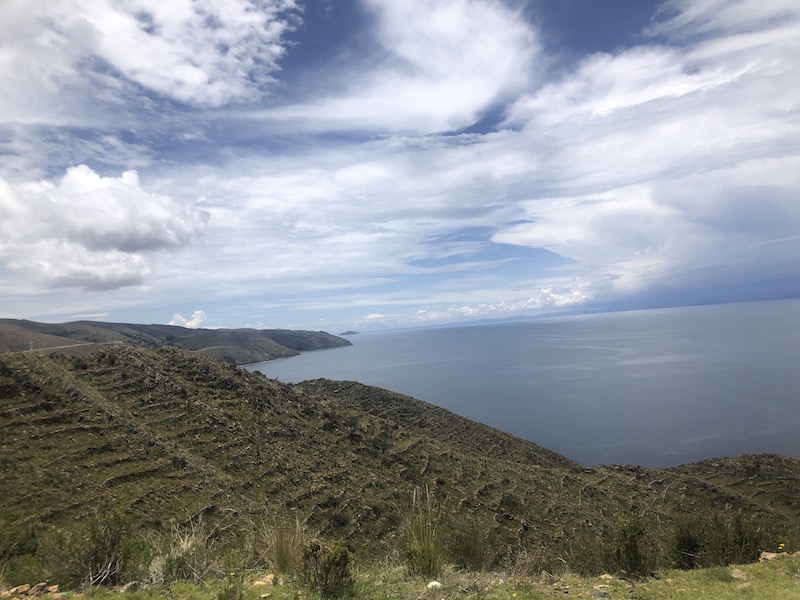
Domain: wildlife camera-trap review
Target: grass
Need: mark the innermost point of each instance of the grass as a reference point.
(779, 578)
(426, 553)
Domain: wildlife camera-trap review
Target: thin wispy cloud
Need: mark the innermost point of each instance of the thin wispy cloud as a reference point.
(162, 154)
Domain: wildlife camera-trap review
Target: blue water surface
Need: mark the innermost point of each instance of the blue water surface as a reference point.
(656, 387)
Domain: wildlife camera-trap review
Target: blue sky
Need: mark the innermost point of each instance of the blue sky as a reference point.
(365, 164)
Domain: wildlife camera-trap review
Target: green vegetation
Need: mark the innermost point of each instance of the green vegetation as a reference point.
(168, 468)
(769, 580)
(425, 546)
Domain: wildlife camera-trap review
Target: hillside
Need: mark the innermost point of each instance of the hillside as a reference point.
(165, 434)
(238, 346)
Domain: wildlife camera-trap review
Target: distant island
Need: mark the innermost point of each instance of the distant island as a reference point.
(349, 332)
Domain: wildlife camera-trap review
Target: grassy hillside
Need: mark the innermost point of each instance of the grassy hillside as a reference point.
(238, 346)
(168, 434)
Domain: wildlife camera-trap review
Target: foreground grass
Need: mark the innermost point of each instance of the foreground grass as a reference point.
(779, 578)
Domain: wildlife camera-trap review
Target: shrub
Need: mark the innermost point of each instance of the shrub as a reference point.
(631, 551)
(468, 546)
(730, 542)
(102, 551)
(326, 569)
(233, 587)
(687, 544)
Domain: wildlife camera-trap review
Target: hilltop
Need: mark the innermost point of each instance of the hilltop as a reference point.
(238, 346)
(166, 434)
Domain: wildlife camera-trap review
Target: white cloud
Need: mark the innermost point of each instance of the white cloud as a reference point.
(441, 64)
(200, 52)
(664, 166)
(690, 18)
(89, 231)
(73, 61)
(198, 318)
(668, 163)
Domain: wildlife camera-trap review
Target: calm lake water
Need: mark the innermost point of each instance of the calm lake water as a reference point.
(656, 388)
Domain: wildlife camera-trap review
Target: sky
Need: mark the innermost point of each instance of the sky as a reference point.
(368, 164)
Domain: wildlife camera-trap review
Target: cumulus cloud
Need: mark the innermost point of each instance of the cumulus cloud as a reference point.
(79, 61)
(89, 231)
(199, 52)
(442, 64)
(198, 318)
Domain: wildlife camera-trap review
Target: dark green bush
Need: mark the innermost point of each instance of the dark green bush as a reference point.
(687, 544)
(326, 569)
(631, 550)
(103, 550)
(468, 546)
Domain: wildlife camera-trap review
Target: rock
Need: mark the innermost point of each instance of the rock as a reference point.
(434, 585)
(765, 556)
(39, 588)
(52, 589)
(738, 574)
(606, 576)
(20, 590)
(5, 594)
(599, 591)
(266, 580)
(265, 596)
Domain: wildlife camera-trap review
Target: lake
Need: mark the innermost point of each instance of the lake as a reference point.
(654, 387)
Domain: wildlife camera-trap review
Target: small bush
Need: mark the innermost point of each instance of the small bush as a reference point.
(468, 546)
(102, 551)
(326, 569)
(631, 551)
(687, 544)
(233, 588)
(730, 542)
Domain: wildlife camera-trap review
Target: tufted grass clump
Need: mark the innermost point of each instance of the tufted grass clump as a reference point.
(426, 552)
(283, 547)
(187, 552)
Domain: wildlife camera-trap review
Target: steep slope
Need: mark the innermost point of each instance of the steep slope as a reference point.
(169, 434)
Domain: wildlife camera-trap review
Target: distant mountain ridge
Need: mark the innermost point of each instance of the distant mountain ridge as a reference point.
(239, 346)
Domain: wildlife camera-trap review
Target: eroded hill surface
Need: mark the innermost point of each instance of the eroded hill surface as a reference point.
(165, 434)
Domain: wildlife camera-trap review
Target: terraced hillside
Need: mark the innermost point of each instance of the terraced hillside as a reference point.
(166, 434)
(238, 346)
